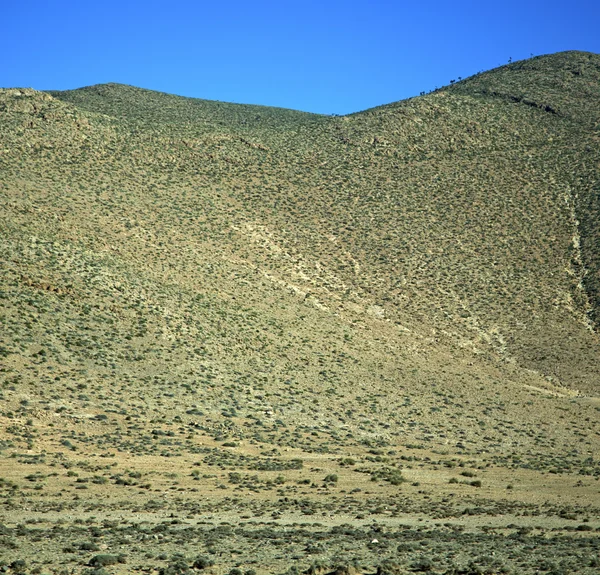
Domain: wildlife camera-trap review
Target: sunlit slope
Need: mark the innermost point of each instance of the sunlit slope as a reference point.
(516, 158)
(148, 108)
(567, 85)
(470, 216)
(345, 273)
(136, 288)
(283, 340)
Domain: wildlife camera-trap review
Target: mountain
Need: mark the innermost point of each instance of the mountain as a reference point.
(215, 312)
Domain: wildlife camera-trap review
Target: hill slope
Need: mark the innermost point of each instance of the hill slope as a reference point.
(243, 288)
(478, 181)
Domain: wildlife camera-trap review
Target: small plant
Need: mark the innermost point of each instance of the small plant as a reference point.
(104, 560)
(202, 562)
(422, 565)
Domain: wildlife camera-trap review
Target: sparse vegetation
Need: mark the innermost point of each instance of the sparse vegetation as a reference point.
(243, 340)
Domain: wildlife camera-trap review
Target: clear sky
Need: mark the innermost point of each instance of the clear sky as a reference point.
(318, 56)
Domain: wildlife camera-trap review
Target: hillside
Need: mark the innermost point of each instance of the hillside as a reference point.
(212, 310)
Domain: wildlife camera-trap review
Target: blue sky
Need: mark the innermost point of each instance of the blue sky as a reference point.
(318, 56)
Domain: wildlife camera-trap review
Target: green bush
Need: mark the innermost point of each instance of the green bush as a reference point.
(102, 560)
(106, 559)
(202, 562)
